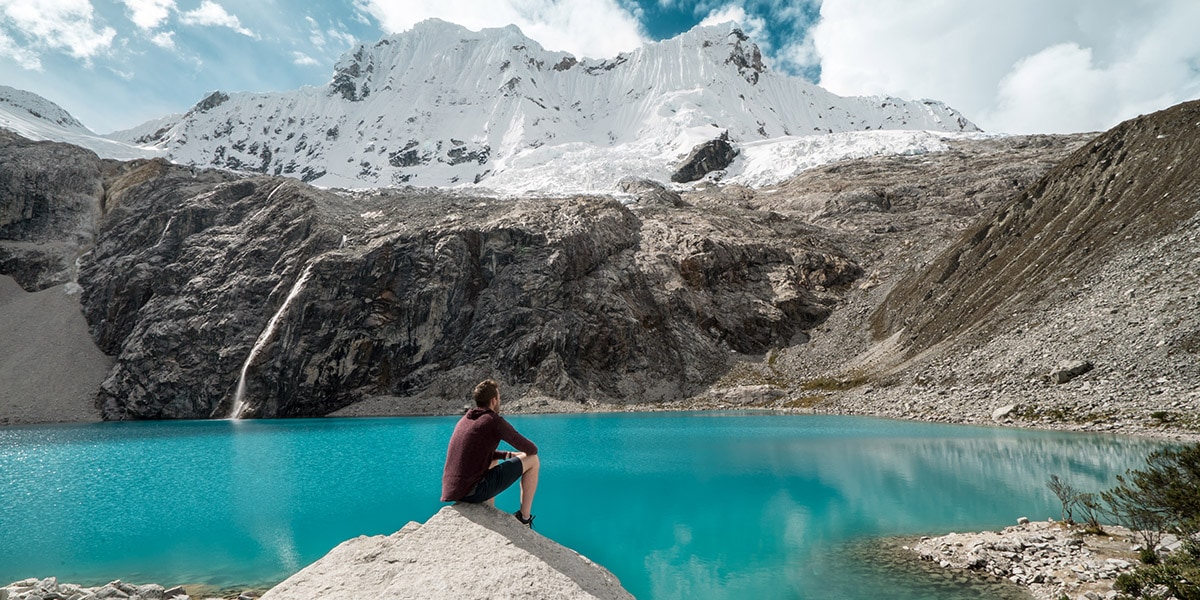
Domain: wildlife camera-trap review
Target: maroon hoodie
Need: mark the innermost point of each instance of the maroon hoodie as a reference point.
(473, 448)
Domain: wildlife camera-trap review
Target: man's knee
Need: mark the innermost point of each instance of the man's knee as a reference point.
(529, 462)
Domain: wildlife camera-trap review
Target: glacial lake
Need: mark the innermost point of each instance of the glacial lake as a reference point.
(676, 505)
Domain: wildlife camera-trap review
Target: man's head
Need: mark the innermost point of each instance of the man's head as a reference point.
(485, 392)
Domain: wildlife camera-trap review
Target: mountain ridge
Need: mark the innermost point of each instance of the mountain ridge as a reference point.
(441, 105)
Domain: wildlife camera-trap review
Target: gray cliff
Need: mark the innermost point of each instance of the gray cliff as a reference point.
(418, 293)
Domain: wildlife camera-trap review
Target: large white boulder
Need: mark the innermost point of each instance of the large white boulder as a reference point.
(463, 551)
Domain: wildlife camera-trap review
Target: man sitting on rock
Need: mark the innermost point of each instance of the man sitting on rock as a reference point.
(475, 470)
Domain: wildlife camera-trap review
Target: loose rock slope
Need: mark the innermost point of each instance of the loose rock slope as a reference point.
(1094, 264)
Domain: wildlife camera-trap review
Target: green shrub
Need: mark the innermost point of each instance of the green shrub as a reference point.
(1165, 497)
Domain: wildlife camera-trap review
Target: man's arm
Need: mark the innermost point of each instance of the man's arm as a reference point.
(509, 434)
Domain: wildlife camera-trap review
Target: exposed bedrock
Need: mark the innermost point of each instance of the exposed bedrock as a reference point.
(50, 199)
(405, 294)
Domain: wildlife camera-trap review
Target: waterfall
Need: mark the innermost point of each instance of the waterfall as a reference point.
(239, 398)
(165, 230)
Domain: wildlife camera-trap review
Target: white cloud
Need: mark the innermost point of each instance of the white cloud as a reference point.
(67, 25)
(164, 40)
(211, 14)
(1018, 65)
(755, 27)
(148, 14)
(303, 59)
(336, 39)
(22, 56)
(585, 28)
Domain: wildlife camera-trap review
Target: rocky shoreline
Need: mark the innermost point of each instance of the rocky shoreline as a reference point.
(50, 589)
(1052, 560)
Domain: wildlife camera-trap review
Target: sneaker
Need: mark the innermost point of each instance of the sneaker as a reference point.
(528, 521)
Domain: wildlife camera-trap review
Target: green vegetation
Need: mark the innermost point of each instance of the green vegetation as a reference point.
(828, 383)
(1066, 494)
(1062, 415)
(1174, 419)
(1162, 498)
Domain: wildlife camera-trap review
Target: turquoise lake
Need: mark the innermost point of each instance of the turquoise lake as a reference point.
(676, 505)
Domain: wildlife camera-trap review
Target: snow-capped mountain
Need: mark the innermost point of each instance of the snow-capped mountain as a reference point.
(39, 119)
(441, 105)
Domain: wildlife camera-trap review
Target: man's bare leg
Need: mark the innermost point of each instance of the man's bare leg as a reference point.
(530, 465)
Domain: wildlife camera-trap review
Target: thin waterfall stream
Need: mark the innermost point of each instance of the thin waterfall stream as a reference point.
(239, 398)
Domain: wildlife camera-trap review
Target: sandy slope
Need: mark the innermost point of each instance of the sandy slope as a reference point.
(49, 366)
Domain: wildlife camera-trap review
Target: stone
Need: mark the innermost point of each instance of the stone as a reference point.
(111, 591)
(175, 592)
(428, 562)
(709, 156)
(151, 591)
(1069, 370)
(1003, 412)
(650, 193)
(1022, 520)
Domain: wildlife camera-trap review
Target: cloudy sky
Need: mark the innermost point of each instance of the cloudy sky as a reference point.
(1013, 66)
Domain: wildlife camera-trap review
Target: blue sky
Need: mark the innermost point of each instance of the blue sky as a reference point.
(1009, 65)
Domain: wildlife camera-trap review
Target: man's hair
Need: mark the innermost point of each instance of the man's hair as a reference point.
(485, 391)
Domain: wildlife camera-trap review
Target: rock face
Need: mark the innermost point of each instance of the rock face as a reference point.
(704, 159)
(50, 200)
(411, 294)
(463, 551)
(1096, 261)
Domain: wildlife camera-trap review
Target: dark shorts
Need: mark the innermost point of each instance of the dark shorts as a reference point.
(497, 479)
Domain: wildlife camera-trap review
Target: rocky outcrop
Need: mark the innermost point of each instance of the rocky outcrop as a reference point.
(308, 301)
(705, 158)
(463, 551)
(50, 201)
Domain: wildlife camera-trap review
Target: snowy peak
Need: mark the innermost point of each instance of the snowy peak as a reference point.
(33, 107)
(441, 105)
(36, 118)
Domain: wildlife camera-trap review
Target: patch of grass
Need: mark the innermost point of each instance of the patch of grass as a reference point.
(1163, 418)
(827, 383)
(1061, 415)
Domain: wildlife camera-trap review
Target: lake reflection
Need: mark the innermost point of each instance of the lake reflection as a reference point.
(694, 505)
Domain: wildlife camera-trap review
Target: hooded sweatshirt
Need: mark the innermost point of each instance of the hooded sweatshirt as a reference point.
(473, 448)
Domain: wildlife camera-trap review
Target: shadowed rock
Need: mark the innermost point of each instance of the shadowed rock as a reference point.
(705, 158)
